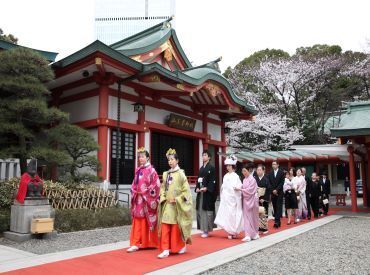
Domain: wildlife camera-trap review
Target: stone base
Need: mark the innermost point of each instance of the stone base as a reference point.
(21, 237)
(17, 237)
(22, 214)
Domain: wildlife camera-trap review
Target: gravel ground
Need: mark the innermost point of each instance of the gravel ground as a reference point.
(340, 247)
(68, 241)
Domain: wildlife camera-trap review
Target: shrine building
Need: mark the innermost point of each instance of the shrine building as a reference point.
(164, 101)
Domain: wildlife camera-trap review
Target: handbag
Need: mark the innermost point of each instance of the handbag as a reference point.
(261, 191)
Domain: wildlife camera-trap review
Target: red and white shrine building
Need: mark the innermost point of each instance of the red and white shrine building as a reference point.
(177, 105)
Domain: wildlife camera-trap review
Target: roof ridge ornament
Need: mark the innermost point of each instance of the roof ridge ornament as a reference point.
(167, 24)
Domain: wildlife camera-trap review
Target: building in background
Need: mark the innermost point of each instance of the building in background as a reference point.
(119, 19)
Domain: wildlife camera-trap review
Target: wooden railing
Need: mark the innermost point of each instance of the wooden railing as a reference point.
(192, 180)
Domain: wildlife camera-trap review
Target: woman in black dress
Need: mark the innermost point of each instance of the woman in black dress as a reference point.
(291, 203)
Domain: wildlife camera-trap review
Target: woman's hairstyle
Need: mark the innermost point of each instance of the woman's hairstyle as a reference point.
(294, 171)
(249, 166)
(175, 156)
(232, 166)
(172, 152)
(146, 153)
(299, 169)
(286, 173)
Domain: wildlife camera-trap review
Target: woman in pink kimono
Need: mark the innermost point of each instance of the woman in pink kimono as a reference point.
(144, 204)
(250, 204)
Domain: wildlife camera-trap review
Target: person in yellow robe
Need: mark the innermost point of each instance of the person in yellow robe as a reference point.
(175, 209)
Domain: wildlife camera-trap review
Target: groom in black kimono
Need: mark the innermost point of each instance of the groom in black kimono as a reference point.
(206, 195)
(276, 179)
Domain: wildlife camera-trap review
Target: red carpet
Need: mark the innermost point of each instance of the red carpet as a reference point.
(120, 262)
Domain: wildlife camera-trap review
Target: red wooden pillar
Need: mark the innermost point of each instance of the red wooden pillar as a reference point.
(368, 177)
(103, 130)
(141, 135)
(196, 165)
(289, 164)
(352, 179)
(317, 167)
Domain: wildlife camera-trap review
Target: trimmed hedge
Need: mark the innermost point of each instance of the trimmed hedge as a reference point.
(69, 220)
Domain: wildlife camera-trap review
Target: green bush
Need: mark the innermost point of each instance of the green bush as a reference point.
(7, 191)
(4, 220)
(68, 220)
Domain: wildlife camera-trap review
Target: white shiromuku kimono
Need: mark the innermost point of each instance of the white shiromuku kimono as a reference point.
(230, 213)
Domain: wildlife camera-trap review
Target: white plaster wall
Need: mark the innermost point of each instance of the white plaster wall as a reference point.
(81, 110)
(213, 116)
(215, 131)
(147, 141)
(127, 110)
(174, 103)
(94, 133)
(200, 156)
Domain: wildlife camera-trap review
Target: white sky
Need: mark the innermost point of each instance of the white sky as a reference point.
(206, 29)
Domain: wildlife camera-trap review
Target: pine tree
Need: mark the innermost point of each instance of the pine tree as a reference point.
(24, 113)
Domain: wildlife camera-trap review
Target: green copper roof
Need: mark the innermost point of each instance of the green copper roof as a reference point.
(100, 47)
(355, 122)
(150, 39)
(50, 56)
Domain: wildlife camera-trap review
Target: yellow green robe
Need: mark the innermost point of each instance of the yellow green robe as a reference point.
(175, 185)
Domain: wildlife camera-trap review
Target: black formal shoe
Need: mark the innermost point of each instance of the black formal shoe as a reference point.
(309, 218)
(276, 225)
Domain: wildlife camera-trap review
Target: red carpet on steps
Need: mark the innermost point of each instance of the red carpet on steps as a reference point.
(120, 262)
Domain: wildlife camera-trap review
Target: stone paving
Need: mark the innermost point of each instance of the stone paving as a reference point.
(340, 247)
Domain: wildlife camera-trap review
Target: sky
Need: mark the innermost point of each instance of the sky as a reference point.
(207, 29)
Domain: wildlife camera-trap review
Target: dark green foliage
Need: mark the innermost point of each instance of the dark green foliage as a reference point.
(7, 192)
(78, 144)
(4, 220)
(69, 220)
(24, 113)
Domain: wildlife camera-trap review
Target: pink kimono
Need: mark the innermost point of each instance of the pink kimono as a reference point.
(250, 206)
(145, 195)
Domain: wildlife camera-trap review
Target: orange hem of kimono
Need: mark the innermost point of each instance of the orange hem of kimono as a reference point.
(171, 238)
(141, 236)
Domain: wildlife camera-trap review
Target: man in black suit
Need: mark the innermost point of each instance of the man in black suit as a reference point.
(325, 192)
(308, 190)
(206, 195)
(276, 179)
(315, 194)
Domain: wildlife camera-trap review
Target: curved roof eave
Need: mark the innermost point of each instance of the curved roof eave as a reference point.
(98, 46)
(50, 56)
(215, 76)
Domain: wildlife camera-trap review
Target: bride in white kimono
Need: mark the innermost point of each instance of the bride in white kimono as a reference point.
(230, 213)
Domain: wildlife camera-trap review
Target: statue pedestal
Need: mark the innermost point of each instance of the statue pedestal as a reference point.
(22, 215)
